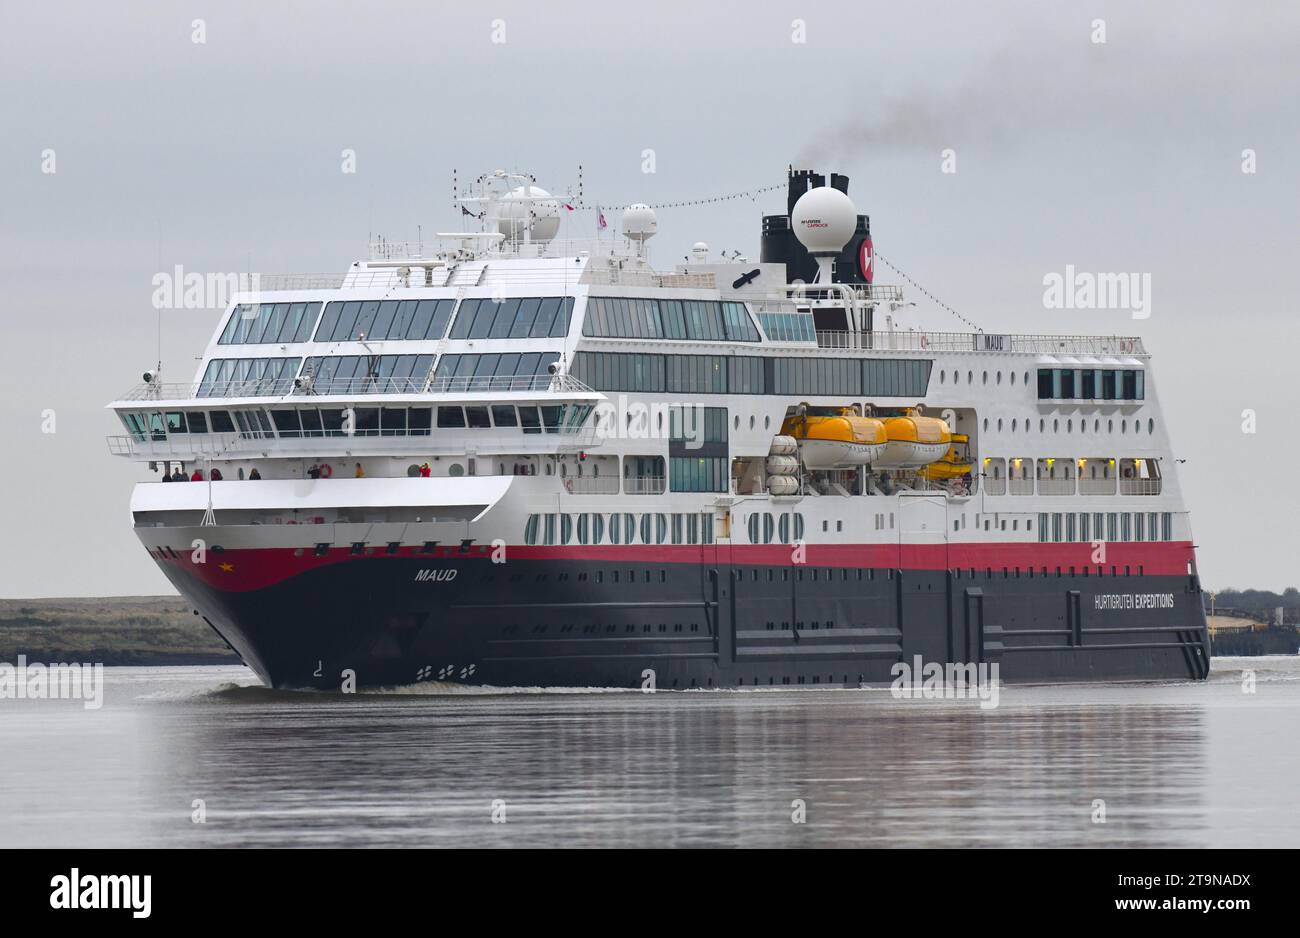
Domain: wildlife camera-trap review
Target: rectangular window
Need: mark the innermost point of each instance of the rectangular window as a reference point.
(1045, 383)
(687, 474)
(1067, 384)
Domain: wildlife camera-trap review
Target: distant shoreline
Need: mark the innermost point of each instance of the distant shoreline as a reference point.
(116, 630)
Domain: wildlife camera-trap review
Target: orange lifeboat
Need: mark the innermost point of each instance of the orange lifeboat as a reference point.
(838, 440)
(914, 441)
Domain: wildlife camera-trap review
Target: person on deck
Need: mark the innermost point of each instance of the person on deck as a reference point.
(178, 475)
(313, 472)
(360, 473)
(197, 476)
(254, 475)
(215, 475)
(425, 471)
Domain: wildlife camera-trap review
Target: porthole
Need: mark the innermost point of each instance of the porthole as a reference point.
(956, 377)
(455, 470)
(751, 421)
(970, 377)
(999, 424)
(999, 377)
(1013, 379)
(942, 376)
(1096, 425)
(1026, 378)
(986, 423)
(767, 422)
(1013, 421)
(1110, 426)
(985, 378)
(1056, 426)
(1123, 426)
(736, 422)
(1042, 425)
(1069, 426)
(1151, 425)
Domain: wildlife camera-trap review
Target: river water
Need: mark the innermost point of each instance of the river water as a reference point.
(1190, 764)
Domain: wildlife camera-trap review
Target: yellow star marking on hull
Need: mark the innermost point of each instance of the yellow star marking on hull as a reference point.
(228, 567)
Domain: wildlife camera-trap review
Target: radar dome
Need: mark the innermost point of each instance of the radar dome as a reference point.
(528, 210)
(639, 222)
(824, 220)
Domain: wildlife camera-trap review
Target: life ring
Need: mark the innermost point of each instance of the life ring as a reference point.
(326, 470)
(925, 342)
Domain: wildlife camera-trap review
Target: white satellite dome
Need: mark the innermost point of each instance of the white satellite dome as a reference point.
(824, 220)
(639, 222)
(528, 210)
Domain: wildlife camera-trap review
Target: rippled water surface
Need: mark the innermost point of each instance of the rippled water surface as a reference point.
(1175, 764)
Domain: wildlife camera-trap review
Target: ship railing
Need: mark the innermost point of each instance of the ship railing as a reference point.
(994, 486)
(591, 485)
(1020, 486)
(1055, 486)
(555, 384)
(281, 387)
(297, 443)
(161, 446)
(644, 485)
(474, 247)
(455, 274)
(1097, 486)
(644, 277)
(917, 341)
(1139, 486)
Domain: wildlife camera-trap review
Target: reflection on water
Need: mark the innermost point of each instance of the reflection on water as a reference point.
(1185, 764)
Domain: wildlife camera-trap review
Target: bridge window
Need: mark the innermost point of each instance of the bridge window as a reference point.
(266, 323)
(514, 318)
(248, 377)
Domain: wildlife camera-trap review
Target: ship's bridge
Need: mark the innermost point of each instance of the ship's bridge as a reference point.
(543, 414)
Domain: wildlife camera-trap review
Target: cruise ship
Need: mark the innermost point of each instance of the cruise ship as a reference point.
(507, 459)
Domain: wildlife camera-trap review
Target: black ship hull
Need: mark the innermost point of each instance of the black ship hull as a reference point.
(377, 621)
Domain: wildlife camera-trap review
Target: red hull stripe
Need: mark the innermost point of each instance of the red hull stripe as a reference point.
(240, 570)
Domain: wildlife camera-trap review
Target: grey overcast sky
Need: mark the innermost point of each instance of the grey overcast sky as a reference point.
(226, 155)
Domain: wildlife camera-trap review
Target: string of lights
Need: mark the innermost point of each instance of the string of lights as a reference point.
(934, 299)
(579, 204)
(751, 194)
